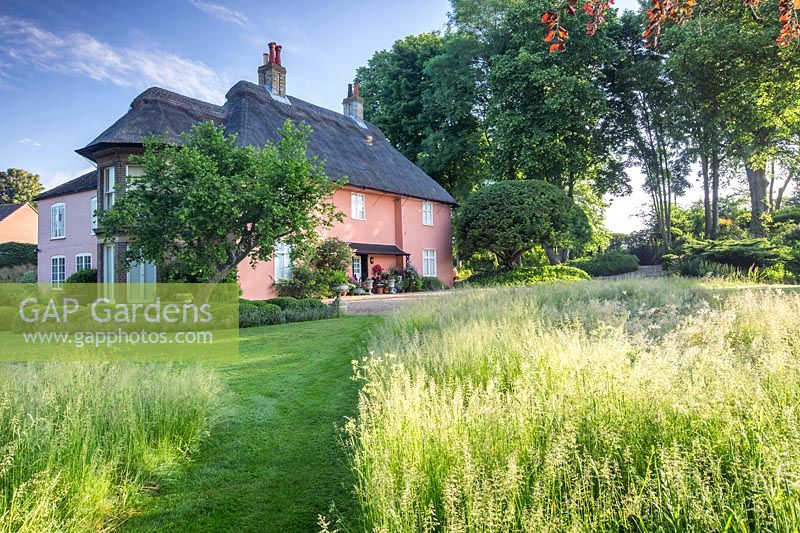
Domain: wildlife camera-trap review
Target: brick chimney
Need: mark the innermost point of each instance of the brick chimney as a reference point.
(354, 104)
(272, 74)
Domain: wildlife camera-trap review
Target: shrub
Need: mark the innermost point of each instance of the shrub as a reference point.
(17, 253)
(252, 314)
(83, 276)
(527, 276)
(430, 283)
(607, 264)
(282, 310)
(510, 218)
(283, 302)
(743, 254)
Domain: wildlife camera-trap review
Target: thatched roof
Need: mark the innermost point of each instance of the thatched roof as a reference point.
(82, 183)
(361, 154)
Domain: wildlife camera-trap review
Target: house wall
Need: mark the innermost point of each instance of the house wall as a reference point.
(20, 226)
(391, 220)
(78, 233)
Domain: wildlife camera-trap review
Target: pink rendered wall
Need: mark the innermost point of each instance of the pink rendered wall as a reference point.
(390, 219)
(20, 226)
(417, 237)
(78, 230)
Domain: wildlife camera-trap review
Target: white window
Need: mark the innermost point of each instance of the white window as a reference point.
(109, 259)
(83, 262)
(357, 267)
(58, 221)
(141, 282)
(427, 214)
(58, 269)
(283, 261)
(109, 184)
(429, 263)
(93, 208)
(358, 207)
(132, 172)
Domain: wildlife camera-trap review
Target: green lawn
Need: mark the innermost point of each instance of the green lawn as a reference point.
(276, 461)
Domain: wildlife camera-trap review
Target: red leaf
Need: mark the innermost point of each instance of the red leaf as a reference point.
(557, 47)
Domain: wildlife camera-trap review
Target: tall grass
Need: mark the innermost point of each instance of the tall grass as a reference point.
(643, 405)
(79, 440)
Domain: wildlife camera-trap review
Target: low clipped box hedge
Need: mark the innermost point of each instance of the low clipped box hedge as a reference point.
(526, 276)
(282, 310)
(83, 276)
(607, 264)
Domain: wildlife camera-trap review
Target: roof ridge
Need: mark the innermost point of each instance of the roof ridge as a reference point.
(184, 103)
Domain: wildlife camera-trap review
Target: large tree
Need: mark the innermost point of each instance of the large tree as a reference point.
(205, 205)
(510, 218)
(18, 186)
(424, 95)
(549, 115)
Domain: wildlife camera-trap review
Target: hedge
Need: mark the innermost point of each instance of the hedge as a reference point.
(526, 276)
(17, 253)
(607, 264)
(283, 310)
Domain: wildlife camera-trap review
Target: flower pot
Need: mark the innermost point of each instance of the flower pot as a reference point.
(341, 290)
(368, 285)
(390, 283)
(379, 290)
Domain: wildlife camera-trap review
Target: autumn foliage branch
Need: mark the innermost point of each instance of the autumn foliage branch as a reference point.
(659, 15)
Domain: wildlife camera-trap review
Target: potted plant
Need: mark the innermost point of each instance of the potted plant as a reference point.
(379, 287)
(368, 284)
(339, 284)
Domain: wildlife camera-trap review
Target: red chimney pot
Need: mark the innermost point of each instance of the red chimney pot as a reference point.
(271, 52)
(278, 54)
(356, 92)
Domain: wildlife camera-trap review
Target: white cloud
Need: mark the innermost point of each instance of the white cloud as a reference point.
(30, 141)
(220, 12)
(79, 54)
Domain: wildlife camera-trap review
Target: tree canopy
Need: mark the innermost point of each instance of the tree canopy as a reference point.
(510, 218)
(18, 186)
(205, 205)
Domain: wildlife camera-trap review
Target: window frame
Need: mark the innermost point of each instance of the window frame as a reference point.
(109, 187)
(80, 256)
(363, 207)
(426, 273)
(113, 256)
(427, 211)
(282, 268)
(53, 207)
(63, 272)
(93, 214)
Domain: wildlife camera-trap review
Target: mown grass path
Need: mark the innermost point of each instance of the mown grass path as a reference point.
(276, 461)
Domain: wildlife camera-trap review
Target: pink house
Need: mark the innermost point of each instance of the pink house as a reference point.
(394, 212)
(18, 223)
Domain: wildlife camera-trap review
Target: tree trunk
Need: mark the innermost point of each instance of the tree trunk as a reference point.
(708, 215)
(781, 192)
(715, 193)
(758, 184)
(552, 256)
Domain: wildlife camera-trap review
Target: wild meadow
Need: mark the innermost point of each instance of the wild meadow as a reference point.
(79, 441)
(640, 405)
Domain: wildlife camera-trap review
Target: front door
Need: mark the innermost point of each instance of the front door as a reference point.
(360, 267)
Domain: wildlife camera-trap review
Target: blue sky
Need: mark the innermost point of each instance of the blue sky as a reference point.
(68, 70)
